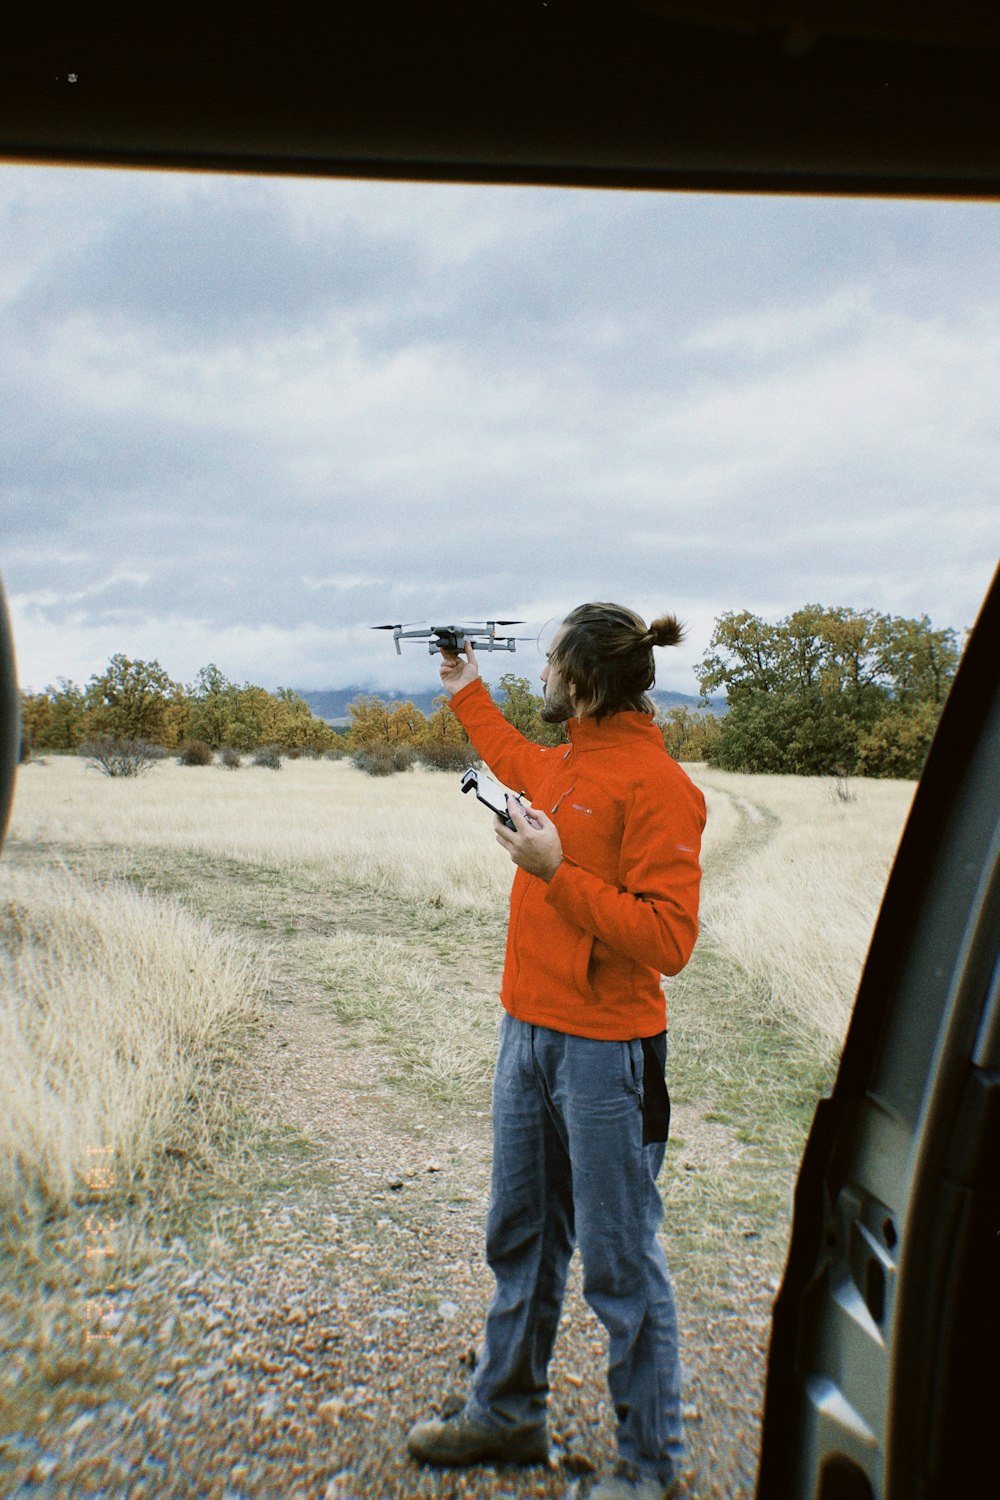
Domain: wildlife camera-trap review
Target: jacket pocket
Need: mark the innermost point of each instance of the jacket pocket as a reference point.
(582, 959)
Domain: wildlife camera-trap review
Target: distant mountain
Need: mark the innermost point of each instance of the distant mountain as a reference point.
(332, 704)
(665, 700)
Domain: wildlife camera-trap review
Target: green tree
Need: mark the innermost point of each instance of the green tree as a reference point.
(687, 734)
(523, 708)
(896, 744)
(445, 744)
(376, 722)
(807, 693)
(54, 719)
(132, 700)
(214, 700)
(916, 663)
(298, 728)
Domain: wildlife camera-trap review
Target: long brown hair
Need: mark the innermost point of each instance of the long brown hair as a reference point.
(605, 653)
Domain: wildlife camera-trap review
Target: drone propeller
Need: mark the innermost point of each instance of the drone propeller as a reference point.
(397, 631)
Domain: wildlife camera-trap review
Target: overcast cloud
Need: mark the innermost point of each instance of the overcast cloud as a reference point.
(247, 419)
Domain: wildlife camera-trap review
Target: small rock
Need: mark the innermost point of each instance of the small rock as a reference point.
(577, 1463)
(433, 1166)
(448, 1309)
(572, 1378)
(691, 1413)
(332, 1410)
(394, 1184)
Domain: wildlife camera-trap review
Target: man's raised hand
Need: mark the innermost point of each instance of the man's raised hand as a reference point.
(456, 673)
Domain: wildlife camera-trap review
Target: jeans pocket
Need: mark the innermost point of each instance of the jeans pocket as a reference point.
(633, 1066)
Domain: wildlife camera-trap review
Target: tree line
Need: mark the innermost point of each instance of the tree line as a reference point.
(826, 691)
(138, 701)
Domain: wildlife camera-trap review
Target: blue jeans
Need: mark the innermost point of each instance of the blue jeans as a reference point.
(569, 1168)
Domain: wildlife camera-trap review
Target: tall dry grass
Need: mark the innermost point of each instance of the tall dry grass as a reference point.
(414, 834)
(116, 1012)
(793, 892)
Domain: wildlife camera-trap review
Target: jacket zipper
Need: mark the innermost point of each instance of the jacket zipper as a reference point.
(560, 800)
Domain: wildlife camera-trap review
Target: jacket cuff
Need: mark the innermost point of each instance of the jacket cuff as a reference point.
(561, 887)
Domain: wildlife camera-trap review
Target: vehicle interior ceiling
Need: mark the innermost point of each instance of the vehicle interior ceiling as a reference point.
(736, 95)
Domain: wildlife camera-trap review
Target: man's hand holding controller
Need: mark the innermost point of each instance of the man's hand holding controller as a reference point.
(533, 843)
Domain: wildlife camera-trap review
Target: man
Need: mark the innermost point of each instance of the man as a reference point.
(604, 901)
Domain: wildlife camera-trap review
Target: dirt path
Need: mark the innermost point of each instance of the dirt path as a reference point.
(343, 1298)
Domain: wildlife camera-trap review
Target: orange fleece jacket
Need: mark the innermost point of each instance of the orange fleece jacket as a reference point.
(586, 950)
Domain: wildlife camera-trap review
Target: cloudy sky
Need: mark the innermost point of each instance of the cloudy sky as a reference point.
(246, 419)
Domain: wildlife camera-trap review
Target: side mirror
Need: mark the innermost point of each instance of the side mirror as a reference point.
(10, 716)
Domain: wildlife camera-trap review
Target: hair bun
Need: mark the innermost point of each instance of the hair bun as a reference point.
(666, 631)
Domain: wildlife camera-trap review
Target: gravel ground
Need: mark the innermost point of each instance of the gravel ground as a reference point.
(291, 1360)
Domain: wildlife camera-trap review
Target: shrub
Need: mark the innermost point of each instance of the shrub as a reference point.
(229, 757)
(383, 759)
(194, 753)
(896, 745)
(446, 755)
(269, 756)
(120, 757)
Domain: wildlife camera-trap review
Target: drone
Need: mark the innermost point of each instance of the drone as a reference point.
(453, 637)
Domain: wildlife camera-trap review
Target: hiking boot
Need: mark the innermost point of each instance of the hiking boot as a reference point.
(464, 1439)
(625, 1482)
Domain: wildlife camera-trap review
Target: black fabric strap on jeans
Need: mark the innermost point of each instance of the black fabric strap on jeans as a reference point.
(655, 1098)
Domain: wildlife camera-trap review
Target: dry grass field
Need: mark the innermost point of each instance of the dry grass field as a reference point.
(114, 997)
(794, 901)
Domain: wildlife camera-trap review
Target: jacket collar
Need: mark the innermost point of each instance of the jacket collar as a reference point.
(616, 729)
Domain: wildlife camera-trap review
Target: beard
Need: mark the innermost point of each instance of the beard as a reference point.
(557, 706)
